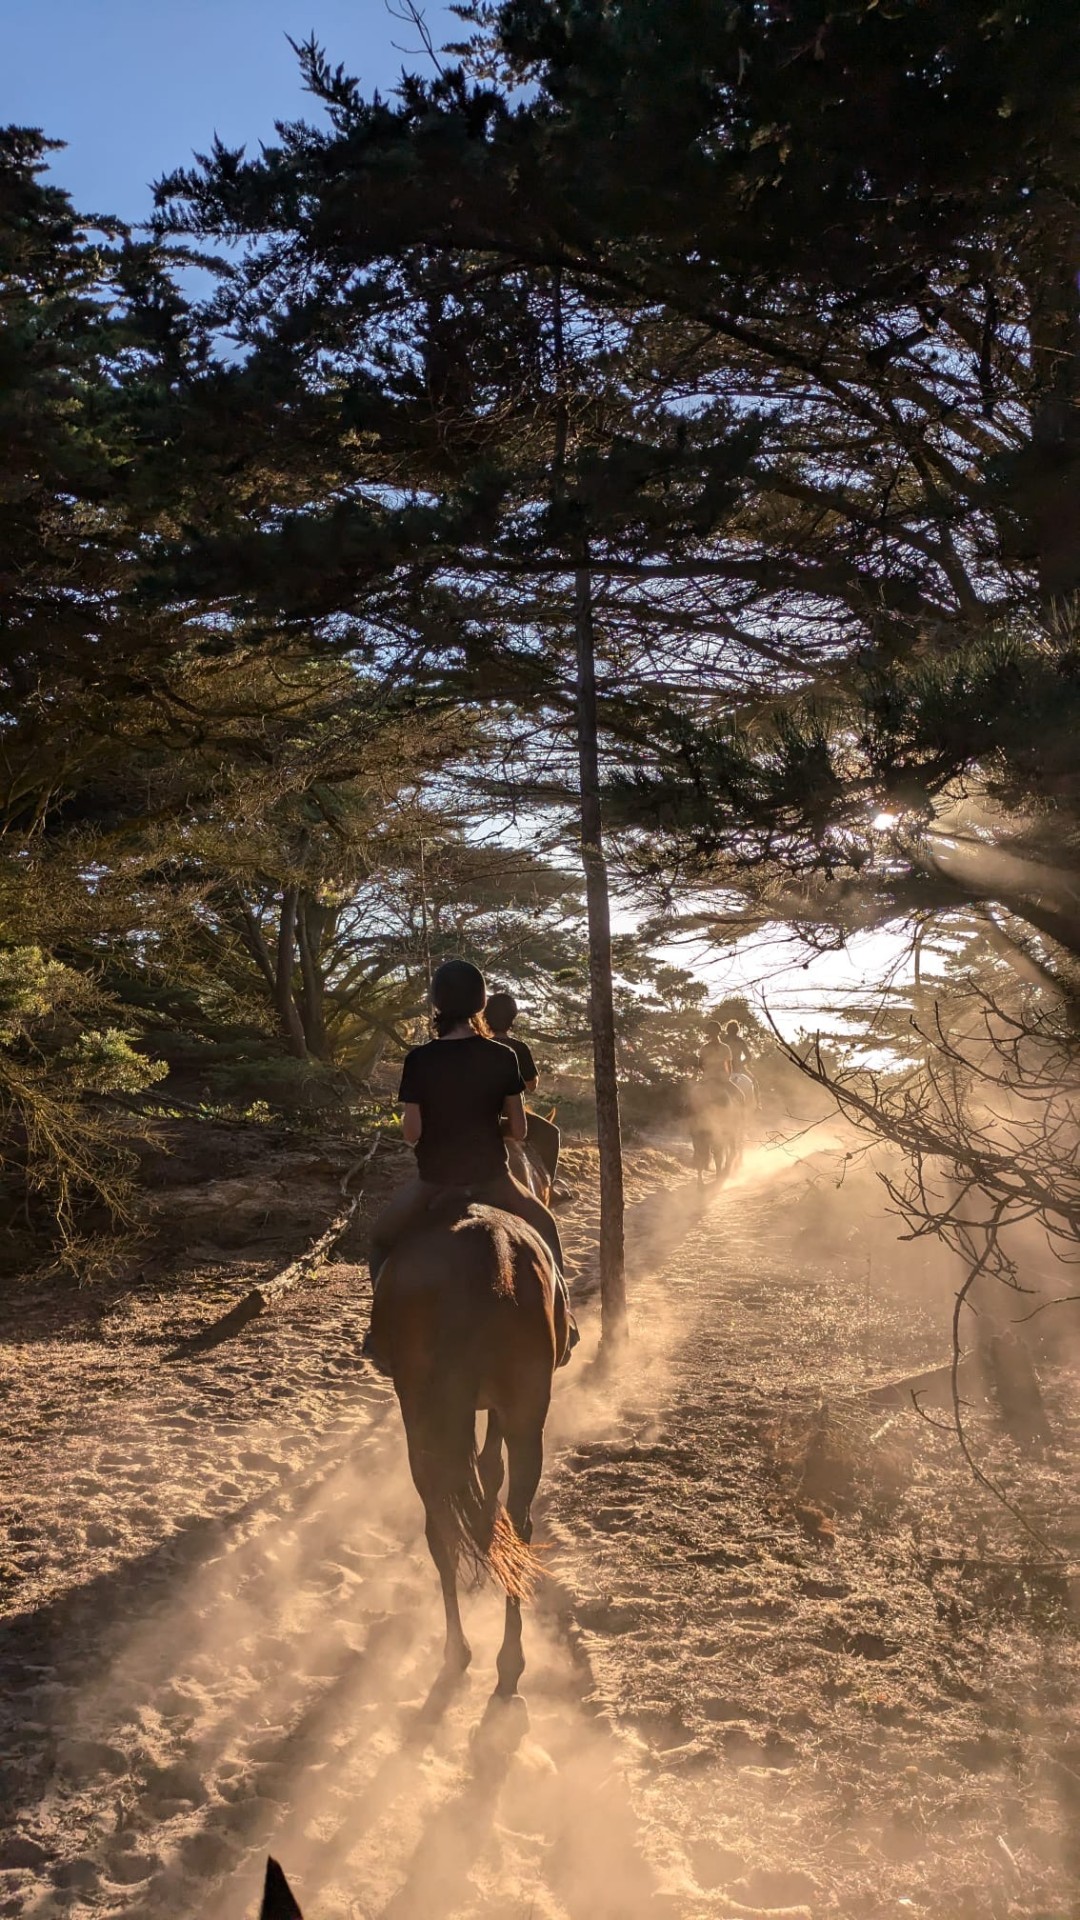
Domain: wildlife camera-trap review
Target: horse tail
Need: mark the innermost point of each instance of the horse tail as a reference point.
(475, 1529)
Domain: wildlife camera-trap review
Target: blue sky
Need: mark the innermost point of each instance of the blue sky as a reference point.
(135, 86)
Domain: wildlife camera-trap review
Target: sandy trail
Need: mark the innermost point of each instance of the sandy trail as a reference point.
(278, 1688)
(861, 1710)
(252, 1657)
(731, 1709)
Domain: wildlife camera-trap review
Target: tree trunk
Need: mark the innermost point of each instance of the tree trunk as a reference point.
(288, 1013)
(255, 941)
(601, 1004)
(1053, 492)
(278, 986)
(310, 926)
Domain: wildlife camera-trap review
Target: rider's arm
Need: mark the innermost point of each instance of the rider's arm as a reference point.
(527, 1066)
(411, 1087)
(514, 1114)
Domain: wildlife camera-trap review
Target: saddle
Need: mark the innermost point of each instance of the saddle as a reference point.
(446, 1204)
(544, 1140)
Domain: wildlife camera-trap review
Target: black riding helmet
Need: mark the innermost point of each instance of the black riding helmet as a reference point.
(502, 1011)
(458, 989)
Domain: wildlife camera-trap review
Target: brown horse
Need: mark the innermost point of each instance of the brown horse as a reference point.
(717, 1127)
(468, 1318)
(534, 1160)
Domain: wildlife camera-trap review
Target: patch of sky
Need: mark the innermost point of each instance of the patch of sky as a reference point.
(135, 89)
(844, 994)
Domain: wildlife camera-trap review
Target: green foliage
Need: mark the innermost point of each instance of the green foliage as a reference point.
(31, 985)
(1007, 707)
(663, 1017)
(771, 312)
(67, 1179)
(106, 1062)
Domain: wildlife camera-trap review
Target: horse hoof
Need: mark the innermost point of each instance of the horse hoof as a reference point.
(505, 1722)
(507, 1715)
(506, 1686)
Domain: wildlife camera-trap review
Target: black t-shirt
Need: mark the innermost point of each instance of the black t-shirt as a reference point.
(459, 1087)
(524, 1055)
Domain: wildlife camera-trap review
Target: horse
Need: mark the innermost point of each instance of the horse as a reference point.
(717, 1125)
(747, 1087)
(534, 1161)
(467, 1317)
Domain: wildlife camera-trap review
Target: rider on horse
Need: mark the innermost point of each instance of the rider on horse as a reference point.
(716, 1107)
(724, 1059)
(457, 1090)
(500, 1013)
(740, 1062)
(541, 1148)
(737, 1047)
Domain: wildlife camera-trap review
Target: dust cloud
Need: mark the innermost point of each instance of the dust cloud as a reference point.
(285, 1692)
(768, 1669)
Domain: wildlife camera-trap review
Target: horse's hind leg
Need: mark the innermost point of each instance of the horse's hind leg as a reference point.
(526, 1455)
(458, 1651)
(491, 1460)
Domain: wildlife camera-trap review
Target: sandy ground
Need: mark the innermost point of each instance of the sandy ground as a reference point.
(762, 1679)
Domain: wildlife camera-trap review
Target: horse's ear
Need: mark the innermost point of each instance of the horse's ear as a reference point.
(278, 1901)
(552, 1114)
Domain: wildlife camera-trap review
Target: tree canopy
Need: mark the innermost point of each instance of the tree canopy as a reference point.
(658, 427)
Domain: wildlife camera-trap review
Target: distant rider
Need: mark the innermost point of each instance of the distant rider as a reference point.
(716, 1109)
(544, 1139)
(714, 1060)
(500, 1013)
(737, 1047)
(740, 1063)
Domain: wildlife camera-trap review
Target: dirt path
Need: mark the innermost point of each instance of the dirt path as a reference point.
(267, 1678)
(223, 1630)
(853, 1682)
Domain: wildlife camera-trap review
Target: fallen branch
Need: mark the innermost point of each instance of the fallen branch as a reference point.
(933, 1388)
(304, 1267)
